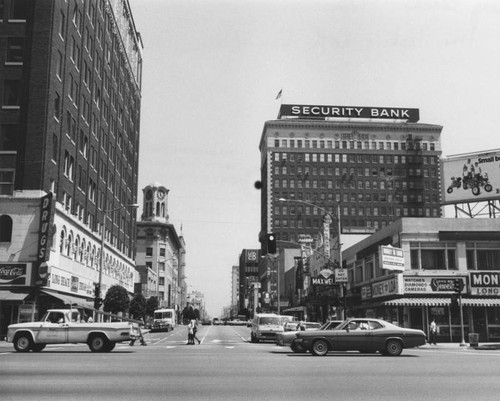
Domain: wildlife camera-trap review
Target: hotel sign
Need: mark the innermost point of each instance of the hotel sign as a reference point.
(313, 111)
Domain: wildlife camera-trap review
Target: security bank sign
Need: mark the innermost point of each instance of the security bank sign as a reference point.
(485, 283)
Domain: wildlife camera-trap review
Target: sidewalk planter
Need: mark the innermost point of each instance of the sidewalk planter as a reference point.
(473, 339)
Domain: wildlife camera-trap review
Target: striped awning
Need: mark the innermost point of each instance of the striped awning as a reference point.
(417, 302)
(441, 302)
(481, 301)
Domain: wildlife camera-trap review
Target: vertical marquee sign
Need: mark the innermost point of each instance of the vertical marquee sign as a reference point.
(46, 219)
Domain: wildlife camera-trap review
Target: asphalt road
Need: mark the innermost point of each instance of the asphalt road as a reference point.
(226, 366)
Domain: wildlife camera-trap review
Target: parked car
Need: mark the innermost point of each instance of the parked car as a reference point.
(287, 338)
(361, 334)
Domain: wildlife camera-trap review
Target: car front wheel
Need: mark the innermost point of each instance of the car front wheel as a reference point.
(393, 348)
(320, 348)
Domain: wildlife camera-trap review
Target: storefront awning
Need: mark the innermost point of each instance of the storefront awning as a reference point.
(481, 301)
(69, 299)
(7, 295)
(417, 302)
(441, 302)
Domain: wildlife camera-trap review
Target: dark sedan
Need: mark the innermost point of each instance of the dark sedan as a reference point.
(361, 334)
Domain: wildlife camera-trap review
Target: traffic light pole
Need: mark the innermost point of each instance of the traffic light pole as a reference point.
(462, 344)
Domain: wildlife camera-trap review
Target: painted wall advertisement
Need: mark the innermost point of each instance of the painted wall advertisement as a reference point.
(63, 281)
(471, 177)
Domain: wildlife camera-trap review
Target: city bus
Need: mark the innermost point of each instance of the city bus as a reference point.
(163, 320)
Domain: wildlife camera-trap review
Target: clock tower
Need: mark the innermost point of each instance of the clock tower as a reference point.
(155, 203)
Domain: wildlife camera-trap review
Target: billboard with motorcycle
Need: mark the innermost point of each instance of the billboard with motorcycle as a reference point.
(470, 177)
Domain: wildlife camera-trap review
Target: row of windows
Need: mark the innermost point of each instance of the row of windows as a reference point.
(365, 145)
(355, 184)
(355, 197)
(430, 259)
(284, 157)
(357, 212)
(348, 173)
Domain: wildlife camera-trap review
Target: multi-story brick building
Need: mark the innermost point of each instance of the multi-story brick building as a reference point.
(375, 171)
(71, 92)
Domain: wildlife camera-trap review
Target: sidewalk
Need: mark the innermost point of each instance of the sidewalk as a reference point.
(480, 346)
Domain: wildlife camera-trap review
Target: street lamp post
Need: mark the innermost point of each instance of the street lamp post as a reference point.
(339, 232)
(97, 298)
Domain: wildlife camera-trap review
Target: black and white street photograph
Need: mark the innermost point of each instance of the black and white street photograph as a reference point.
(249, 200)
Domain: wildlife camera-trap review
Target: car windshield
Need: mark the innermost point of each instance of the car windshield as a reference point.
(270, 320)
(330, 325)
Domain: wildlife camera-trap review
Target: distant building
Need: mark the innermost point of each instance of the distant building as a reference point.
(235, 289)
(248, 274)
(160, 251)
(69, 142)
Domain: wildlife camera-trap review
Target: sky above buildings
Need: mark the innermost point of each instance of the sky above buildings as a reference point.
(212, 71)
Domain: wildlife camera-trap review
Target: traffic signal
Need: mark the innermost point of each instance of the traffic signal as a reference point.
(458, 286)
(97, 303)
(271, 243)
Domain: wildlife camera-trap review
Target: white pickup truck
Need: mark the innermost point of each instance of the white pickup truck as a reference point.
(61, 326)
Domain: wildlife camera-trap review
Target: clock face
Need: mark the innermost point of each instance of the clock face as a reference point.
(161, 194)
(149, 194)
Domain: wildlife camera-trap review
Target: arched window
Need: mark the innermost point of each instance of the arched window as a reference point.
(69, 243)
(88, 257)
(76, 248)
(61, 245)
(5, 228)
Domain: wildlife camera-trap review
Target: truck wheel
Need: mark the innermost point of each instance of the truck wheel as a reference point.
(23, 342)
(98, 343)
(38, 347)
